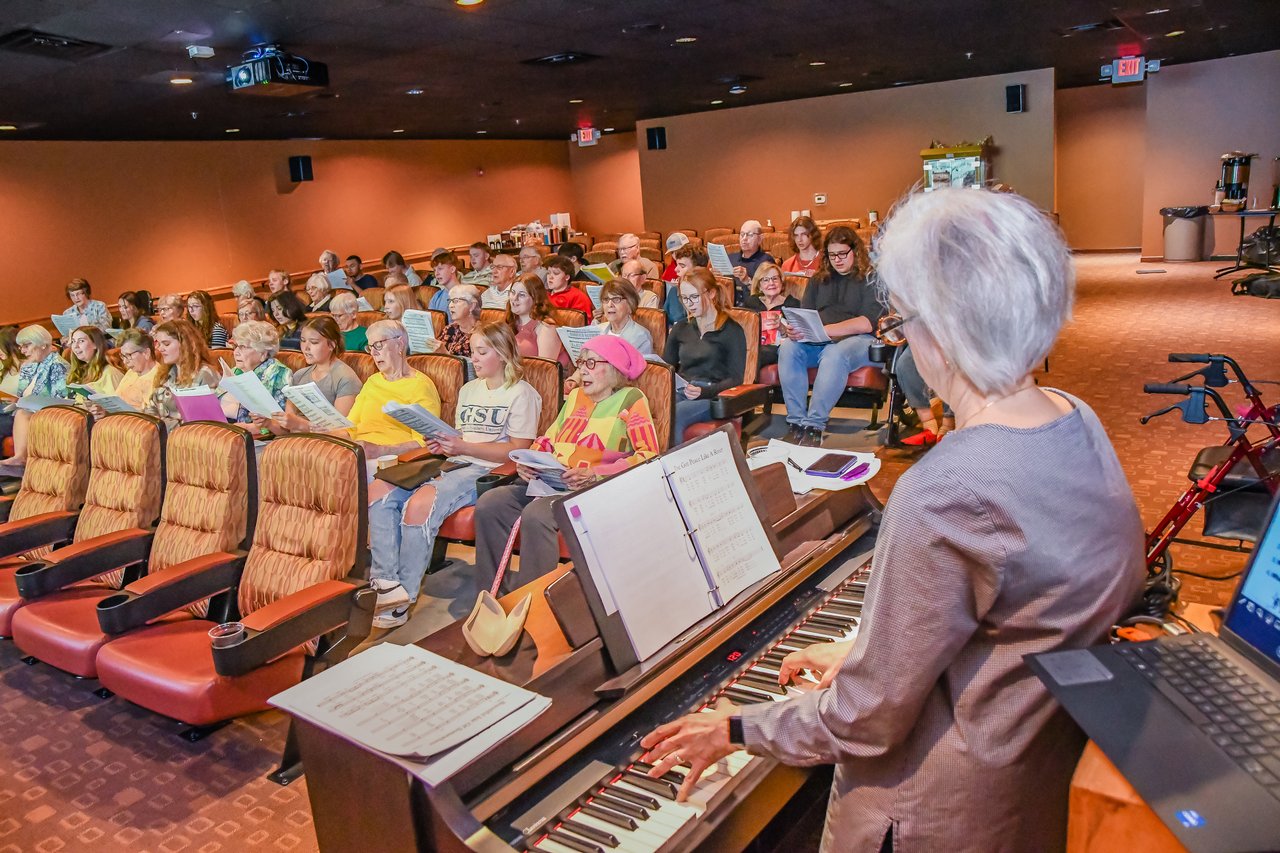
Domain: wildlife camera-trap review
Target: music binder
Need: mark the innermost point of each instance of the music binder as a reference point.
(705, 540)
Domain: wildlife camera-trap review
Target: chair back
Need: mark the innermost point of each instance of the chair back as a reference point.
(652, 253)
(57, 472)
(750, 322)
(599, 256)
(439, 320)
(292, 359)
(608, 237)
(610, 246)
(374, 296)
(448, 373)
(658, 384)
(778, 245)
(312, 518)
(711, 234)
(424, 292)
(493, 315)
(362, 363)
(655, 322)
(544, 375)
(570, 317)
(650, 242)
(688, 232)
(222, 354)
(229, 321)
(794, 285)
(368, 318)
(581, 239)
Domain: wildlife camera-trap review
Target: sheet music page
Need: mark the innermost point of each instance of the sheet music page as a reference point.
(418, 419)
(635, 544)
(406, 701)
(363, 304)
(421, 331)
(593, 293)
(315, 407)
(111, 403)
(573, 337)
(66, 325)
(719, 257)
(249, 392)
(715, 502)
(809, 323)
(600, 272)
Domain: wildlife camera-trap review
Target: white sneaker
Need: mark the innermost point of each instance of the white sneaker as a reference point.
(391, 618)
(391, 595)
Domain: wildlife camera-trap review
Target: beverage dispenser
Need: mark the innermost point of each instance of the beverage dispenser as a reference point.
(1235, 179)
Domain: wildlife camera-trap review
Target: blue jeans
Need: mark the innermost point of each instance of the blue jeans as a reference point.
(918, 394)
(834, 362)
(690, 412)
(402, 551)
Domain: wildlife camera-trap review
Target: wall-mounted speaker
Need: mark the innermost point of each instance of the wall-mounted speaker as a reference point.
(1015, 98)
(657, 138)
(300, 169)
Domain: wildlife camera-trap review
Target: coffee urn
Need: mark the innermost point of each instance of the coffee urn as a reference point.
(1235, 177)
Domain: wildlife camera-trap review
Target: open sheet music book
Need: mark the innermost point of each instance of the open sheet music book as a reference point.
(422, 332)
(573, 337)
(809, 323)
(599, 272)
(703, 541)
(421, 421)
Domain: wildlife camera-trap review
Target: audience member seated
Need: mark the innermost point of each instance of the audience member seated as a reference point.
(629, 250)
(747, 258)
(379, 433)
(445, 276)
(464, 316)
(768, 297)
(345, 313)
(806, 245)
(437, 253)
(531, 262)
(185, 362)
(133, 314)
(480, 272)
(43, 374)
(499, 290)
(254, 309)
(398, 299)
(394, 263)
(634, 272)
(529, 315)
(676, 241)
(289, 313)
(89, 366)
(708, 349)
(204, 317)
(277, 280)
(84, 310)
(575, 253)
(687, 258)
(560, 291)
(242, 290)
(619, 301)
(11, 360)
(497, 412)
(322, 347)
(359, 279)
(936, 418)
(139, 359)
(171, 307)
(604, 426)
(256, 345)
(847, 304)
(319, 293)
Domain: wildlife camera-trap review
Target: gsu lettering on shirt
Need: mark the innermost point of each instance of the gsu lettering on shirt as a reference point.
(483, 420)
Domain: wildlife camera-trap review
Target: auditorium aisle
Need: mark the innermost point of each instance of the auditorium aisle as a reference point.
(81, 773)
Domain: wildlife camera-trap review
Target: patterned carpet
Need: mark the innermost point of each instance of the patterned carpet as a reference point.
(82, 773)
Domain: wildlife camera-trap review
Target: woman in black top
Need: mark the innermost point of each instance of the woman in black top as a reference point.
(768, 297)
(708, 349)
(289, 314)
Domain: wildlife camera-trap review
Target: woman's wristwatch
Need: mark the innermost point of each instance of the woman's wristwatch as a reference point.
(736, 737)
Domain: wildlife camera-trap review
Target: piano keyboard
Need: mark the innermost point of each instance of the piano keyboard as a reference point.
(629, 812)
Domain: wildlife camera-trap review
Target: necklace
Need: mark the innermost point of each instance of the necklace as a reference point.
(991, 403)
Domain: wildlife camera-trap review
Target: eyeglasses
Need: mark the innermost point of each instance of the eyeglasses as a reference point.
(748, 233)
(589, 363)
(376, 346)
(131, 353)
(892, 329)
(454, 299)
(614, 300)
(690, 300)
(839, 256)
(771, 279)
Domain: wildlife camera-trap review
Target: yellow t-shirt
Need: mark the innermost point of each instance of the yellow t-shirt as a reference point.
(135, 389)
(377, 427)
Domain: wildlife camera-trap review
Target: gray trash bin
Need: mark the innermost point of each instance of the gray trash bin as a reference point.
(1184, 232)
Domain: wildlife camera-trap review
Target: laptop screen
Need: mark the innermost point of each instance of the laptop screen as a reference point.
(1255, 614)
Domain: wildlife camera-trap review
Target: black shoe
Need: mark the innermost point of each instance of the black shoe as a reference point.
(795, 434)
(812, 437)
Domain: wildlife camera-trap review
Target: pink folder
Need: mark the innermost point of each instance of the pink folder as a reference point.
(202, 407)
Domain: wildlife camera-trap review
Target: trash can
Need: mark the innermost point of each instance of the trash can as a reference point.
(1184, 232)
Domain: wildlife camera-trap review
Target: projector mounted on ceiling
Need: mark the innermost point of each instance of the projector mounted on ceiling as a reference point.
(268, 70)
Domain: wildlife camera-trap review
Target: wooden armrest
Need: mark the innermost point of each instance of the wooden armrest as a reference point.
(738, 400)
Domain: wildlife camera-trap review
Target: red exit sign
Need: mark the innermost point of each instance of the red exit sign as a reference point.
(1128, 69)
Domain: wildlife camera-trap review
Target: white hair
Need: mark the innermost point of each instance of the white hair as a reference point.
(330, 253)
(321, 281)
(34, 336)
(987, 274)
(258, 334)
(242, 288)
(751, 225)
(343, 301)
(393, 328)
(469, 292)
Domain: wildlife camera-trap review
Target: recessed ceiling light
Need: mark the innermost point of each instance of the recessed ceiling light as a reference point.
(1174, 33)
(233, 130)
(686, 39)
(414, 92)
(575, 100)
(8, 127)
(482, 132)
(1157, 11)
(737, 90)
(468, 2)
(398, 130)
(716, 102)
(181, 81)
(608, 130)
(817, 63)
(845, 85)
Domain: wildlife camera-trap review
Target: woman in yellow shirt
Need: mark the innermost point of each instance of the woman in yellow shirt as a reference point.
(89, 365)
(378, 432)
(139, 380)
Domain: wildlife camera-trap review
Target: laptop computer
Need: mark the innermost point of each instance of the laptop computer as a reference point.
(1193, 722)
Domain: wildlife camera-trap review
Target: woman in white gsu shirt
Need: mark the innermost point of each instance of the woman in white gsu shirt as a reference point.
(497, 412)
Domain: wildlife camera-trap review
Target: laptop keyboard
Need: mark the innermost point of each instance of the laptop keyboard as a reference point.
(1238, 713)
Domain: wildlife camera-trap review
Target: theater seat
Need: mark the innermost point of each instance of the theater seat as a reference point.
(298, 589)
(865, 387)
(209, 505)
(732, 405)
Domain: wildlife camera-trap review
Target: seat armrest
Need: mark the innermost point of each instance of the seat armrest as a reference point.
(506, 469)
(739, 400)
(6, 506)
(83, 560)
(37, 531)
(416, 454)
(163, 592)
(296, 619)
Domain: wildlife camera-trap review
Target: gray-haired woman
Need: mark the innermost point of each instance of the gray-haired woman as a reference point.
(464, 316)
(1018, 534)
(255, 346)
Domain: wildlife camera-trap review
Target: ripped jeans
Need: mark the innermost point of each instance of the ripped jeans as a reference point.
(401, 551)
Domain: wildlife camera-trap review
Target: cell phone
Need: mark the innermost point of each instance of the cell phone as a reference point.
(452, 465)
(832, 465)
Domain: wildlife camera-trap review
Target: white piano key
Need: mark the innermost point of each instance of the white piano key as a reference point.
(640, 838)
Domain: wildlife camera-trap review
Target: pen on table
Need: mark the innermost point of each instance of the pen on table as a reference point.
(858, 471)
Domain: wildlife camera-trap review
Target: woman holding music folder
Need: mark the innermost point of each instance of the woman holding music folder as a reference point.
(1017, 535)
(43, 374)
(396, 381)
(322, 346)
(603, 427)
(497, 413)
(255, 346)
(185, 363)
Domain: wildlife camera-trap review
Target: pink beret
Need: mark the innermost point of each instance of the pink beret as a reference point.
(622, 355)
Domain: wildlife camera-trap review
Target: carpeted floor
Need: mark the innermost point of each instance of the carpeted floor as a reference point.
(82, 773)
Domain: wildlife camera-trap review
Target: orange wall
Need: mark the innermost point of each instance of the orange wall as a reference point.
(1101, 147)
(1195, 114)
(606, 185)
(861, 149)
(171, 216)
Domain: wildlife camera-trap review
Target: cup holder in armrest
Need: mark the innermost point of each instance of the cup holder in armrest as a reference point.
(112, 615)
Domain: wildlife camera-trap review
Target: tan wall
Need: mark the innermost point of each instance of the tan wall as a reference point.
(606, 185)
(186, 215)
(1101, 148)
(861, 149)
(1195, 114)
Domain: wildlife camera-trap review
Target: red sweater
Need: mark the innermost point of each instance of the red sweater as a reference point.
(572, 297)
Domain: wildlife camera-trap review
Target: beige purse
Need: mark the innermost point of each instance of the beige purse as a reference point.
(489, 629)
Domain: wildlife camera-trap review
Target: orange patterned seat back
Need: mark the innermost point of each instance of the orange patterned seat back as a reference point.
(312, 517)
(126, 479)
(569, 317)
(374, 296)
(448, 373)
(292, 359)
(362, 363)
(544, 375)
(658, 383)
(57, 472)
(654, 321)
(750, 323)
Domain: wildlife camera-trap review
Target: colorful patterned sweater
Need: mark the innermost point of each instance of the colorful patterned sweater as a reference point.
(612, 435)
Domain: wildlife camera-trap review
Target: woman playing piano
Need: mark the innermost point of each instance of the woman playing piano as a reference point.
(1018, 533)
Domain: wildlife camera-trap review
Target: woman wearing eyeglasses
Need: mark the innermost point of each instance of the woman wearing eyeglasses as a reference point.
(707, 349)
(849, 309)
(768, 297)
(395, 381)
(464, 316)
(43, 374)
(203, 316)
(139, 359)
(256, 345)
(603, 427)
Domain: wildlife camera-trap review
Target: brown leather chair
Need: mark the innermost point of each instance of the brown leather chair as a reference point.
(368, 318)
(778, 245)
(374, 296)
(654, 321)
(210, 503)
(439, 320)
(569, 317)
(220, 354)
(292, 359)
(424, 292)
(362, 363)
(298, 596)
(710, 234)
(493, 315)
(651, 253)
(448, 373)
(794, 285)
(600, 256)
(688, 232)
(229, 321)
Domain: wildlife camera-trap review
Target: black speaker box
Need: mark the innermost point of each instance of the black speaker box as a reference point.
(300, 169)
(657, 138)
(1015, 98)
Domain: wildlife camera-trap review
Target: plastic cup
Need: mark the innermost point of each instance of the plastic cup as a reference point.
(226, 634)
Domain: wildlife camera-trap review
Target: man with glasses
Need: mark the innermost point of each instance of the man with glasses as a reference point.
(849, 310)
(629, 250)
(504, 275)
(531, 261)
(634, 272)
(747, 258)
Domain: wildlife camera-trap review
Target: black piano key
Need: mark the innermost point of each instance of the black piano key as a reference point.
(815, 629)
(743, 698)
(573, 842)
(839, 612)
(761, 683)
(673, 776)
(635, 797)
(609, 816)
(832, 622)
(607, 800)
(599, 836)
(661, 787)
